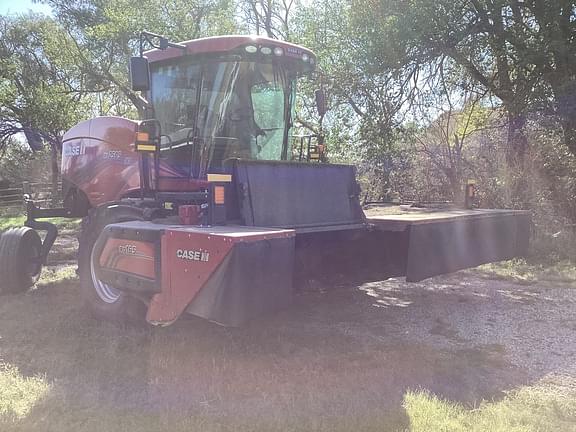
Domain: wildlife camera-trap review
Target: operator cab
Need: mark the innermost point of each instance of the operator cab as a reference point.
(222, 110)
(223, 98)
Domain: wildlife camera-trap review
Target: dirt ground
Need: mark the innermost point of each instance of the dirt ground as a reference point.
(338, 359)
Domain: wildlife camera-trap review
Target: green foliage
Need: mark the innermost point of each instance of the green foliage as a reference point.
(18, 164)
(106, 34)
(37, 80)
(497, 45)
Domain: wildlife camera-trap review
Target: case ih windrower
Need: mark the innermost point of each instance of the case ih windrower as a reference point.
(209, 206)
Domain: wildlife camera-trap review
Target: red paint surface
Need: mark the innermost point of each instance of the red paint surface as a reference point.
(141, 263)
(98, 157)
(182, 279)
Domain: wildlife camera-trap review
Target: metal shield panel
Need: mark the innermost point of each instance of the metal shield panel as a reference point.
(295, 195)
(447, 246)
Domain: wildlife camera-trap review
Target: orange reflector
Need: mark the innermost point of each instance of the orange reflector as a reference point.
(142, 137)
(218, 194)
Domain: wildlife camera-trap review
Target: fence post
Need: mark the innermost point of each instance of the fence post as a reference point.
(26, 188)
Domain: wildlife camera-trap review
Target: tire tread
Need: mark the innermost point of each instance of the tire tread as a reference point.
(13, 276)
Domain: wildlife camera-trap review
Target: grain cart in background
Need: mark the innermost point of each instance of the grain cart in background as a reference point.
(206, 206)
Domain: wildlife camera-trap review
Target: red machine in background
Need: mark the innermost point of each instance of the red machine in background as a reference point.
(206, 206)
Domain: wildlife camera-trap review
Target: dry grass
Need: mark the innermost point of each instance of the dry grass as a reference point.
(19, 394)
(193, 376)
(521, 271)
(17, 221)
(531, 409)
(56, 275)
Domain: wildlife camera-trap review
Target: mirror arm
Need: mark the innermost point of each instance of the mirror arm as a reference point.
(320, 98)
(146, 36)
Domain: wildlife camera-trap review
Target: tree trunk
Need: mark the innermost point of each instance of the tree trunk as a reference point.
(456, 190)
(517, 146)
(569, 130)
(517, 142)
(565, 96)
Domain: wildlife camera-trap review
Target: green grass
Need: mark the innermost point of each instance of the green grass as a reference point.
(19, 394)
(521, 271)
(530, 409)
(17, 221)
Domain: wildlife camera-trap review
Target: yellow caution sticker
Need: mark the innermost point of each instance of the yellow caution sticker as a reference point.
(222, 178)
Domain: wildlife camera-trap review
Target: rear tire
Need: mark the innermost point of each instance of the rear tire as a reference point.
(103, 301)
(20, 259)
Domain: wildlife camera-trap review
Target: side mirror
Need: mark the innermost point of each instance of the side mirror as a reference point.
(139, 74)
(320, 102)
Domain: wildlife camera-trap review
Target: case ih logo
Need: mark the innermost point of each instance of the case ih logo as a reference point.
(193, 255)
(75, 149)
(127, 249)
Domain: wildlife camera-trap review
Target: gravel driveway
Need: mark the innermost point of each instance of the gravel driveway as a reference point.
(533, 326)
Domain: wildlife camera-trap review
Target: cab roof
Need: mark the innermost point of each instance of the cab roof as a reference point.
(223, 44)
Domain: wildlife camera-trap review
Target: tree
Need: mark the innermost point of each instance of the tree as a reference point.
(54, 72)
(361, 124)
(38, 97)
(106, 34)
(521, 52)
(268, 17)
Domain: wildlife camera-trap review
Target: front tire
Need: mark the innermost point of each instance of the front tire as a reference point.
(102, 300)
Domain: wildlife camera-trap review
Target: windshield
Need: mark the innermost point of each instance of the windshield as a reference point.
(215, 111)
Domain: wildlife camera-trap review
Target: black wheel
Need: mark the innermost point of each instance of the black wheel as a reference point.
(20, 259)
(104, 301)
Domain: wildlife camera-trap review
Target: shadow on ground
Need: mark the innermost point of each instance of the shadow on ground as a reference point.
(338, 360)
